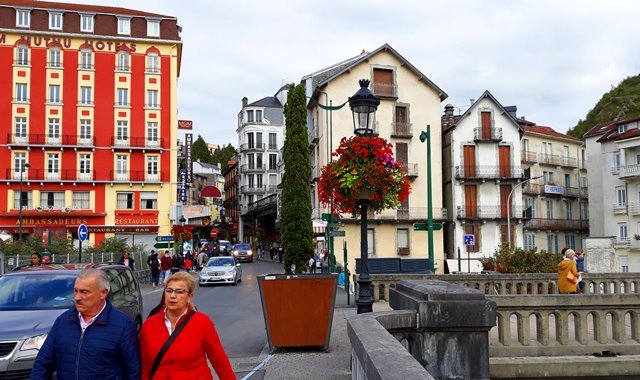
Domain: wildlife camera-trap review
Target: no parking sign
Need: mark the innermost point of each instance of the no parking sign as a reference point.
(469, 239)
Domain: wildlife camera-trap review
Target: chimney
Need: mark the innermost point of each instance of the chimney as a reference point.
(245, 101)
(448, 110)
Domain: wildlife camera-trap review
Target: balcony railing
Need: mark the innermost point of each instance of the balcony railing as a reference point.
(487, 134)
(385, 90)
(529, 157)
(252, 189)
(480, 172)
(252, 147)
(412, 170)
(551, 159)
(634, 208)
(128, 176)
(266, 201)
(246, 168)
(619, 208)
(630, 171)
(136, 142)
(272, 147)
(548, 189)
(45, 139)
(492, 212)
(408, 213)
(46, 175)
(557, 224)
(399, 129)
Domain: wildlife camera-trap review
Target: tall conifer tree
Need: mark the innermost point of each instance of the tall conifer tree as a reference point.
(296, 226)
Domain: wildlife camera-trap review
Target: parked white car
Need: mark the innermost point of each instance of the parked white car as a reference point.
(220, 270)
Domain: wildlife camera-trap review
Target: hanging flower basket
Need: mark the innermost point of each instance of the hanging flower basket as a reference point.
(365, 168)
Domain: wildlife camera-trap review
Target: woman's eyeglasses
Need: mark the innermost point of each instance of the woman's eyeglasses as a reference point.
(176, 291)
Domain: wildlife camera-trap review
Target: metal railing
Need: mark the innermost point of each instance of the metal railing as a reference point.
(46, 175)
(557, 224)
(140, 259)
(489, 172)
(46, 139)
(253, 189)
(540, 189)
(133, 176)
(408, 213)
(552, 159)
(528, 156)
(490, 212)
(136, 142)
(487, 134)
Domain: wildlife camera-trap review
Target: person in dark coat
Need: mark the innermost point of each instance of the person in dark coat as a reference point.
(154, 265)
(178, 263)
(126, 260)
(92, 340)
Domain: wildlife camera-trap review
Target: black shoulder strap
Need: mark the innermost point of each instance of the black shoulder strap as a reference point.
(167, 344)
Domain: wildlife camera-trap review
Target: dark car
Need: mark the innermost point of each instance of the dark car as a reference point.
(31, 298)
(243, 252)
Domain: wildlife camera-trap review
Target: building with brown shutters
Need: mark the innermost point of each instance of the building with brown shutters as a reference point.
(409, 101)
(89, 101)
(482, 170)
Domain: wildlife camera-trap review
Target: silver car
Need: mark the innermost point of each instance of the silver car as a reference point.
(220, 270)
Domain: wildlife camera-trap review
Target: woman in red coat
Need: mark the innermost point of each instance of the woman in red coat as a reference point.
(187, 357)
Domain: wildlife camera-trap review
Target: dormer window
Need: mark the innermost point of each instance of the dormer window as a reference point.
(86, 23)
(153, 28)
(23, 18)
(622, 128)
(124, 25)
(55, 20)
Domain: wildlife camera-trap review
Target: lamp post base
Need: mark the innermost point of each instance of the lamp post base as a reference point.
(364, 302)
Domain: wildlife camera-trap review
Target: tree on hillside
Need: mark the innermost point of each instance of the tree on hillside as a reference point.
(295, 226)
(221, 156)
(200, 151)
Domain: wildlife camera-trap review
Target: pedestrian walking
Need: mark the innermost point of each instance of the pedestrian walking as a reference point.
(176, 343)
(580, 268)
(567, 273)
(125, 259)
(92, 339)
(188, 264)
(178, 263)
(280, 254)
(312, 265)
(202, 259)
(273, 252)
(166, 263)
(154, 265)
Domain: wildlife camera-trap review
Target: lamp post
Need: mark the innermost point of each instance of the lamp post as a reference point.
(509, 206)
(22, 166)
(426, 136)
(182, 222)
(363, 105)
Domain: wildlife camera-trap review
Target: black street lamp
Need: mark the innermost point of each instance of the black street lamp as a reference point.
(22, 166)
(363, 105)
(182, 222)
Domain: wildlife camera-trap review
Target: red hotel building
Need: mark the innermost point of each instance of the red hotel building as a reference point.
(88, 119)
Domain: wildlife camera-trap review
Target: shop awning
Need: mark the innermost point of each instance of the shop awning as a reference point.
(319, 227)
(210, 192)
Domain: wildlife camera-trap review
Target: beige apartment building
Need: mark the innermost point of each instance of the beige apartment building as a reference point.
(409, 102)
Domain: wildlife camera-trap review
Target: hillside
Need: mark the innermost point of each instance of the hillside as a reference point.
(621, 102)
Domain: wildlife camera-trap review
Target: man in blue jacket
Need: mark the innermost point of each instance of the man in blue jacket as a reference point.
(93, 340)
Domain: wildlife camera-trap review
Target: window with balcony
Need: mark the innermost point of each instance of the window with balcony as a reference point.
(251, 162)
(148, 200)
(85, 167)
(259, 183)
(273, 162)
(21, 92)
(124, 25)
(23, 18)
(122, 133)
(152, 134)
(152, 168)
(22, 55)
(622, 232)
(85, 95)
(383, 82)
(569, 208)
(52, 199)
(53, 166)
(258, 161)
(123, 97)
(549, 203)
(525, 145)
(54, 94)
(80, 200)
(624, 264)
(20, 129)
(25, 201)
(402, 238)
(55, 57)
(529, 203)
(19, 165)
(85, 131)
(251, 180)
(53, 130)
(548, 178)
(86, 59)
(122, 167)
(152, 99)
(124, 200)
(153, 28)
(122, 63)
(153, 62)
(273, 141)
(617, 161)
(55, 20)
(86, 23)
(621, 196)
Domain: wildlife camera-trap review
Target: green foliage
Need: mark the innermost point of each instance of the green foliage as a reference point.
(508, 260)
(622, 102)
(221, 156)
(296, 227)
(200, 151)
(58, 245)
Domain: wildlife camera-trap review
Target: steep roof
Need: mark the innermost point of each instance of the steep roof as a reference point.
(548, 132)
(326, 75)
(269, 101)
(609, 131)
(79, 8)
(487, 94)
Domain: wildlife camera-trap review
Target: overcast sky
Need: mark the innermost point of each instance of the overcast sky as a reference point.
(553, 59)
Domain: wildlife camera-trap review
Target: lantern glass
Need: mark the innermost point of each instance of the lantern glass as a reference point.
(363, 106)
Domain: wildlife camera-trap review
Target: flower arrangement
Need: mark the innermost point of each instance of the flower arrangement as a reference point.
(365, 168)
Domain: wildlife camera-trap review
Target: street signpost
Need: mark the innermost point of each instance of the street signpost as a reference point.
(83, 234)
(327, 217)
(164, 238)
(425, 227)
(166, 245)
(334, 233)
(469, 240)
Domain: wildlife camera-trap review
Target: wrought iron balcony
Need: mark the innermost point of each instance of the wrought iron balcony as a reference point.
(529, 157)
(554, 160)
(136, 142)
(42, 139)
(247, 189)
(557, 224)
(247, 168)
(487, 134)
(550, 189)
(401, 130)
(484, 172)
(133, 176)
(492, 212)
(53, 175)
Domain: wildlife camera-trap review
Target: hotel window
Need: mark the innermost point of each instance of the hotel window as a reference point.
(80, 200)
(122, 131)
(53, 133)
(53, 166)
(258, 116)
(54, 57)
(153, 62)
(23, 55)
(85, 166)
(148, 200)
(569, 215)
(152, 166)
(622, 231)
(273, 162)
(19, 162)
(52, 199)
(55, 20)
(27, 201)
(23, 18)
(85, 95)
(123, 97)
(122, 167)
(273, 141)
(54, 93)
(21, 92)
(21, 127)
(621, 196)
(251, 161)
(85, 131)
(152, 134)
(371, 239)
(250, 116)
(403, 240)
(549, 209)
(124, 200)
(529, 241)
(123, 61)
(529, 203)
(86, 59)
(152, 98)
(86, 23)
(153, 28)
(124, 25)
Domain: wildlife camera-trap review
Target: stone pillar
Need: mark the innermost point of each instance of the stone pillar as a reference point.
(453, 326)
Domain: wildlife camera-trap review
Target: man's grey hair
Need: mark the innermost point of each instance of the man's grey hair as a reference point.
(98, 274)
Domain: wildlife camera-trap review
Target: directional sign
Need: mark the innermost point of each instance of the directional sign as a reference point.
(469, 239)
(330, 218)
(163, 245)
(424, 227)
(335, 225)
(164, 238)
(336, 233)
(83, 232)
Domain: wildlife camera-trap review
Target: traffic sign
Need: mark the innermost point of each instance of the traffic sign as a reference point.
(424, 227)
(163, 245)
(336, 233)
(83, 232)
(330, 218)
(164, 238)
(335, 225)
(469, 239)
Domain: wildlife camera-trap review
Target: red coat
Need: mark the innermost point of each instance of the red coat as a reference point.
(166, 263)
(185, 359)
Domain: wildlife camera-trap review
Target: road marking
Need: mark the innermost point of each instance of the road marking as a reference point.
(265, 361)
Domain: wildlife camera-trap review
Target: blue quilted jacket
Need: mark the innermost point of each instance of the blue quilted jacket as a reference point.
(108, 349)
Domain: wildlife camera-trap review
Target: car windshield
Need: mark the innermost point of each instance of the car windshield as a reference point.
(220, 262)
(36, 292)
(242, 247)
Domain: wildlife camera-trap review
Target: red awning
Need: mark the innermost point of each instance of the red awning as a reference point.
(210, 192)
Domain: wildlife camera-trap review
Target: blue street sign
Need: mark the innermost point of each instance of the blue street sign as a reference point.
(164, 238)
(83, 232)
(469, 239)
